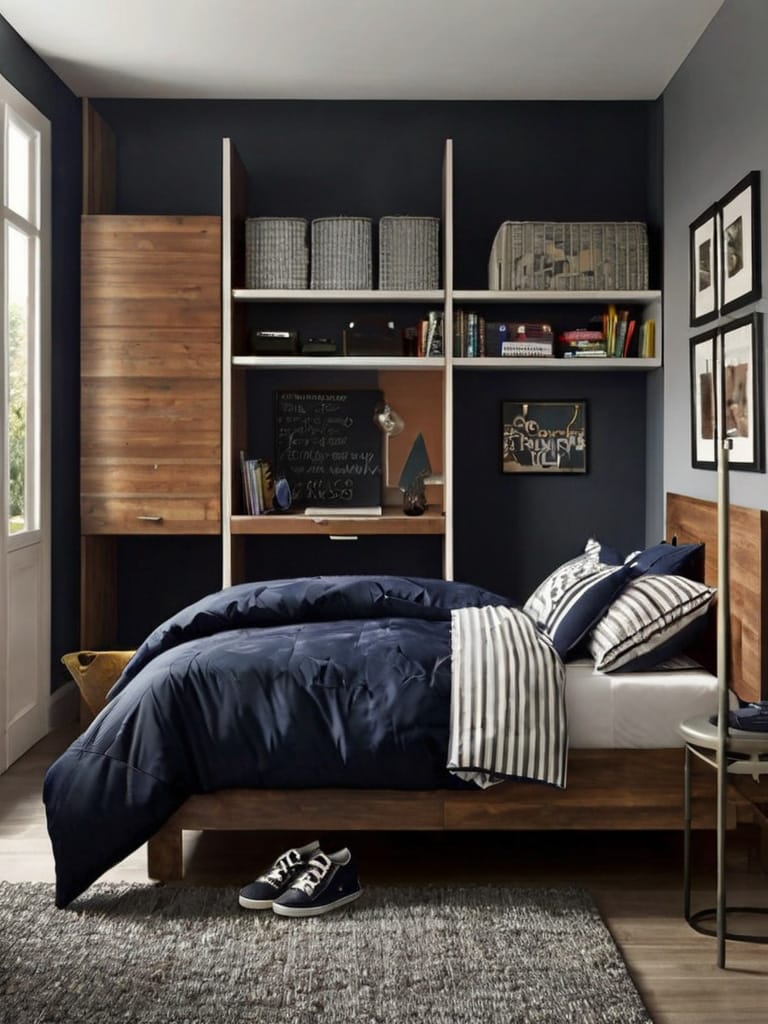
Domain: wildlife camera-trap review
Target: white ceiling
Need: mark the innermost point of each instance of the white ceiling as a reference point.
(363, 49)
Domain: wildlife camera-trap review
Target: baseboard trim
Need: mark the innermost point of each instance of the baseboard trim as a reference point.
(64, 706)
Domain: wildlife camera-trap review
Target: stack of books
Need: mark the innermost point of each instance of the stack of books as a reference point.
(469, 334)
(258, 485)
(582, 343)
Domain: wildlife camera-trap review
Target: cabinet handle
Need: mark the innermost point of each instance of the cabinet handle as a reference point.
(342, 536)
(150, 519)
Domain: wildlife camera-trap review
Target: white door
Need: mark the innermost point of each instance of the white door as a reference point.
(24, 412)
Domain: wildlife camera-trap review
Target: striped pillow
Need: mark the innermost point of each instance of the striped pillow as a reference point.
(571, 599)
(653, 619)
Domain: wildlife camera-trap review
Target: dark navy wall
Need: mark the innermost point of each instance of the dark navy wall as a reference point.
(21, 66)
(516, 161)
(531, 160)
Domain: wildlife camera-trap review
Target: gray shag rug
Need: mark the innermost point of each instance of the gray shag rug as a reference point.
(191, 955)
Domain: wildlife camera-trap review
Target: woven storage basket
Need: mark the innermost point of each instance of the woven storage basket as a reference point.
(408, 253)
(568, 256)
(342, 253)
(276, 254)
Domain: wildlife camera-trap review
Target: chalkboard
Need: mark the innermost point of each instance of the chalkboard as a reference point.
(328, 446)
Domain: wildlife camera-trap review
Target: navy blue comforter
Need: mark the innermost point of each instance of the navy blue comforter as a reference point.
(313, 682)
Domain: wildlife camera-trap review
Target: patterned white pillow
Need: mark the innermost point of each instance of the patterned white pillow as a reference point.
(652, 619)
(572, 598)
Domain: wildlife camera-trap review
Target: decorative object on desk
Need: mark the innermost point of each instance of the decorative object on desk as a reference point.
(557, 256)
(283, 496)
(413, 478)
(372, 335)
(276, 253)
(408, 253)
(703, 409)
(390, 423)
(341, 253)
(739, 249)
(703, 267)
(544, 437)
(742, 399)
(273, 343)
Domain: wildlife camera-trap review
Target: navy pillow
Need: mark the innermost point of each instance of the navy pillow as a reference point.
(668, 560)
(573, 598)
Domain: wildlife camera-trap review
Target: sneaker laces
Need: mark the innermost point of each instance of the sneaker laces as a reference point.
(282, 868)
(307, 882)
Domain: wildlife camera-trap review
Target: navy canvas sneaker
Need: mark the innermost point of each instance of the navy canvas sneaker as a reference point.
(329, 881)
(259, 895)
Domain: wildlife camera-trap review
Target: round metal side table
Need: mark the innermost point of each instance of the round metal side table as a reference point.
(744, 753)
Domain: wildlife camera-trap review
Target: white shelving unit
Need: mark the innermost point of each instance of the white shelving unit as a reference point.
(236, 363)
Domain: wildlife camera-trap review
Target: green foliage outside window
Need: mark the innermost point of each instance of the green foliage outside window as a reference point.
(17, 415)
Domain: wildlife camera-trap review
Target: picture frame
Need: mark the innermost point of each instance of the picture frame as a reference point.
(544, 436)
(704, 267)
(703, 400)
(739, 248)
(741, 387)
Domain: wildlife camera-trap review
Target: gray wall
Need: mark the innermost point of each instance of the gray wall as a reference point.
(715, 131)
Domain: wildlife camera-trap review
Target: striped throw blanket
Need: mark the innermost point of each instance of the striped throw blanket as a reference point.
(508, 715)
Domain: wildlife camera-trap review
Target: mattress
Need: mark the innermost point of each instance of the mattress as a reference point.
(634, 709)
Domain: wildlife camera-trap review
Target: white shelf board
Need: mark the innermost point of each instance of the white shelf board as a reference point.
(340, 362)
(566, 365)
(629, 297)
(329, 295)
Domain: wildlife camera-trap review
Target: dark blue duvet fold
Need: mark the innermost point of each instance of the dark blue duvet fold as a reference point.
(312, 682)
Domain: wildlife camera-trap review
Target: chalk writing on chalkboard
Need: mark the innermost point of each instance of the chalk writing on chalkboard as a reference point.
(328, 446)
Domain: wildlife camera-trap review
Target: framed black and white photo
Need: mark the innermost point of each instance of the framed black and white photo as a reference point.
(703, 267)
(740, 280)
(703, 404)
(544, 437)
(742, 391)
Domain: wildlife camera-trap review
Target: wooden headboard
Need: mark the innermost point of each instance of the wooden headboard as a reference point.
(693, 520)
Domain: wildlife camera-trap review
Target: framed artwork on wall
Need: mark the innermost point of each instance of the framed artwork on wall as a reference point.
(703, 405)
(739, 228)
(544, 437)
(742, 389)
(703, 267)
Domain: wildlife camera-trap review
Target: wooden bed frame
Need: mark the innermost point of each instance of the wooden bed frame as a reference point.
(607, 789)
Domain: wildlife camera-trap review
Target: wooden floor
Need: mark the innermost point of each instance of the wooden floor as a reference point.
(635, 879)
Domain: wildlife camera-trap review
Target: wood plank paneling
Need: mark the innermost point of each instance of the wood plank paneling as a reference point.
(127, 351)
(694, 520)
(151, 375)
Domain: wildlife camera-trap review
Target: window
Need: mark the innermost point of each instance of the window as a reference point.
(25, 134)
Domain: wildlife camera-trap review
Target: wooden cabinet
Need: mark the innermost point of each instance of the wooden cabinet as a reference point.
(150, 459)
(151, 375)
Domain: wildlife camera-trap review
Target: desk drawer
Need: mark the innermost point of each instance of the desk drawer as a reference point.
(158, 514)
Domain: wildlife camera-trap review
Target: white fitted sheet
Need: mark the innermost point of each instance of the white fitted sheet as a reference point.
(634, 709)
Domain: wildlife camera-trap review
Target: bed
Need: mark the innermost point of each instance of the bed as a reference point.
(146, 769)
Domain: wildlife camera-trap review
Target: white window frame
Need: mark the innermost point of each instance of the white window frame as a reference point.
(16, 108)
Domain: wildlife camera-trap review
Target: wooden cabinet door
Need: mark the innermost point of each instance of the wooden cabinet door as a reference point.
(151, 375)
